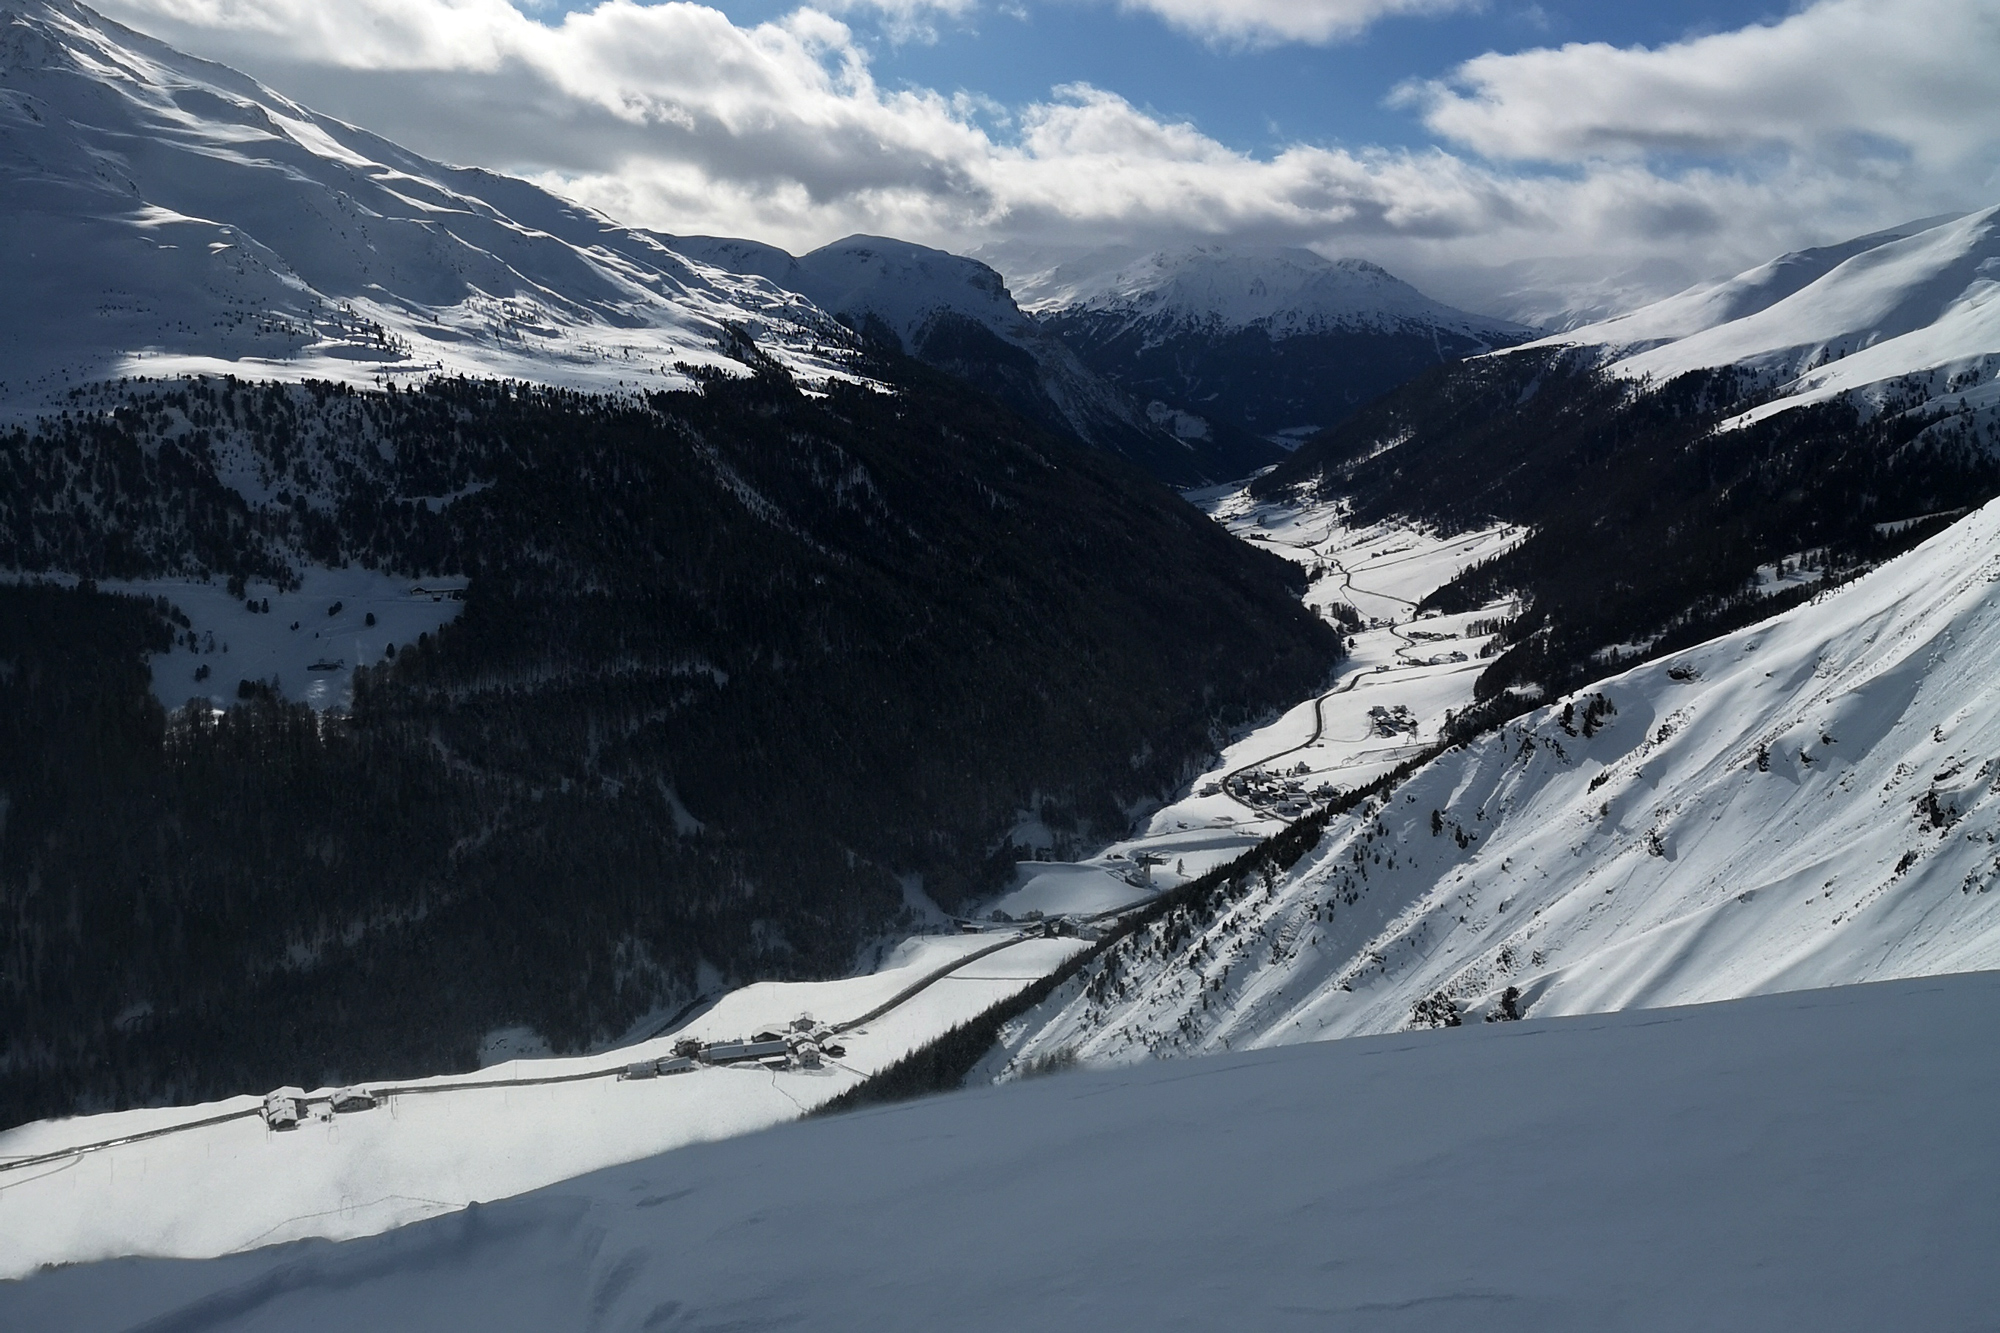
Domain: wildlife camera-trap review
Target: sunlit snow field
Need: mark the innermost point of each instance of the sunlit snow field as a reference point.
(234, 1185)
(1819, 1161)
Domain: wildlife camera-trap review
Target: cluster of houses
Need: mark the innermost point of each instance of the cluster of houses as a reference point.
(1390, 722)
(1281, 794)
(806, 1044)
(288, 1108)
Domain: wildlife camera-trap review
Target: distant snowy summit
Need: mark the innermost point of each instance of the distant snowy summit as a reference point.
(1910, 314)
(1284, 291)
(901, 290)
(1272, 341)
(163, 215)
(957, 314)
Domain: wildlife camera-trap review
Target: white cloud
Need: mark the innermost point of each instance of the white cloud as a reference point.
(671, 116)
(1913, 79)
(1260, 22)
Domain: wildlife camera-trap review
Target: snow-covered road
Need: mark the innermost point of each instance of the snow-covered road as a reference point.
(209, 1180)
(1387, 706)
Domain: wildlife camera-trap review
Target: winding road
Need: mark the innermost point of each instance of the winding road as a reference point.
(895, 1001)
(1349, 586)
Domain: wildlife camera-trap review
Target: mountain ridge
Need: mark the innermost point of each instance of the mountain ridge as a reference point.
(956, 313)
(165, 215)
(1274, 341)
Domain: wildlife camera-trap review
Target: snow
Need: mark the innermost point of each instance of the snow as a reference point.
(302, 645)
(1284, 290)
(445, 1142)
(1059, 888)
(1812, 801)
(1712, 304)
(1819, 1161)
(165, 216)
(1852, 320)
(878, 283)
(904, 285)
(1901, 287)
(1424, 668)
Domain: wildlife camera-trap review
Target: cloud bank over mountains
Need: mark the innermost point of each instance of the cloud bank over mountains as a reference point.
(1710, 152)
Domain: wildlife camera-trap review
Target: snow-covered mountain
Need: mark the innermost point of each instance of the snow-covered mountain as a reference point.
(162, 215)
(1911, 313)
(957, 314)
(907, 288)
(1818, 403)
(165, 215)
(1808, 802)
(1286, 291)
(1277, 341)
(1554, 295)
(1817, 1162)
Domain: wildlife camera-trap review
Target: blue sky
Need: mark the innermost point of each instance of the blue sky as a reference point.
(1251, 97)
(1604, 151)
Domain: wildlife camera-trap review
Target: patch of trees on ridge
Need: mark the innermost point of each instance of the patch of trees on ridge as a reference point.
(1648, 523)
(852, 634)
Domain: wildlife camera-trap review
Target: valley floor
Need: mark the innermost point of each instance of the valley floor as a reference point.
(1820, 1160)
(437, 1145)
(453, 1140)
(1809, 802)
(1388, 704)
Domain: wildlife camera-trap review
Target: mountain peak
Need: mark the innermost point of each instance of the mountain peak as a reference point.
(1284, 290)
(177, 217)
(1917, 300)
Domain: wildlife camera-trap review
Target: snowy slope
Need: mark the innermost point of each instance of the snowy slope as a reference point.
(1919, 304)
(162, 215)
(442, 1143)
(306, 646)
(1272, 342)
(957, 313)
(904, 285)
(1284, 290)
(1807, 802)
(1817, 1162)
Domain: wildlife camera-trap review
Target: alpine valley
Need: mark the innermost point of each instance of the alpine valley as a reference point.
(1378, 816)
(758, 633)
